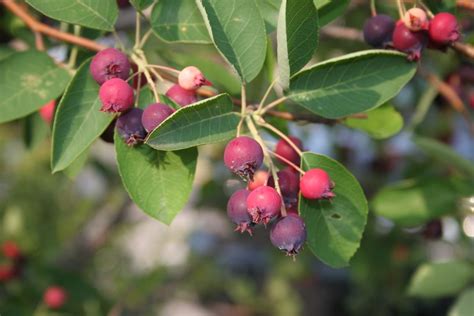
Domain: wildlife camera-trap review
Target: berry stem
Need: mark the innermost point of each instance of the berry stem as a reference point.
(166, 68)
(425, 7)
(288, 162)
(265, 96)
(272, 105)
(373, 10)
(401, 11)
(75, 50)
(275, 130)
(243, 109)
(137, 30)
(145, 38)
(140, 60)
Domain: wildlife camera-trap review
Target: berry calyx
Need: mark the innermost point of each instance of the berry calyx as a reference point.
(444, 29)
(260, 178)
(116, 96)
(263, 204)
(415, 19)
(287, 151)
(47, 111)
(181, 96)
(237, 211)
(154, 114)
(11, 250)
(55, 297)
(243, 155)
(411, 43)
(129, 126)
(191, 78)
(289, 234)
(108, 64)
(378, 30)
(316, 184)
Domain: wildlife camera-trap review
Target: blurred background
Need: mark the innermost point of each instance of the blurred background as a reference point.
(79, 230)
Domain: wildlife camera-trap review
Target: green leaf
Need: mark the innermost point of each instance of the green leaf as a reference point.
(334, 227)
(100, 15)
(141, 5)
(464, 304)
(297, 36)
(76, 166)
(380, 123)
(330, 10)
(446, 155)
(269, 11)
(432, 280)
(238, 32)
(35, 131)
(28, 81)
(159, 182)
(78, 120)
(204, 122)
(179, 21)
(352, 83)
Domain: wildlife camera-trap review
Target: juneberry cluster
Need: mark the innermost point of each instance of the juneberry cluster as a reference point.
(110, 68)
(261, 202)
(413, 32)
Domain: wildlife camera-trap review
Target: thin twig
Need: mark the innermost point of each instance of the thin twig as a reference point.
(39, 43)
(273, 104)
(267, 93)
(287, 162)
(275, 130)
(165, 68)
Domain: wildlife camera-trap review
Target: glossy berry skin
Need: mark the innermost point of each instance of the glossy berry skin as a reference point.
(237, 211)
(11, 250)
(181, 96)
(378, 30)
(47, 111)
(109, 63)
(289, 234)
(411, 43)
(129, 126)
(444, 29)
(243, 155)
(191, 78)
(260, 178)
(116, 96)
(316, 184)
(415, 19)
(264, 204)
(286, 150)
(289, 182)
(55, 297)
(154, 114)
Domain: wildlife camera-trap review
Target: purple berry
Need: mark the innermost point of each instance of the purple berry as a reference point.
(243, 155)
(409, 42)
(444, 29)
(264, 204)
(154, 114)
(109, 63)
(378, 30)
(181, 96)
(116, 96)
(130, 128)
(289, 182)
(289, 234)
(237, 211)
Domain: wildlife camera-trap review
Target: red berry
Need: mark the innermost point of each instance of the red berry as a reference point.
(11, 250)
(130, 128)
(444, 29)
(408, 42)
(54, 297)
(47, 111)
(378, 30)
(264, 204)
(109, 63)
(243, 155)
(237, 211)
(191, 78)
(116, 96)
(181, 96)
(154, 114)
(260, 178)
(289, 234)
(316, 184)
(287, 151)
(415, 19)
(7, 272)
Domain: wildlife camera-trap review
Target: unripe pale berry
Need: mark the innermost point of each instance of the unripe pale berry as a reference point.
(116, 96)
(47, 111)
(289, 234)
(444, 29)
(11, 250)
(411, 43)
(191, 78)
(154, 114)
(415, 19)
(181, 96)
(264, 204)
(109, 63)
(129, 126)
(316, 184)
(378, 30)
(287, 151)
(237, 211)
(55, 297)
(260, 178)
(243, 155)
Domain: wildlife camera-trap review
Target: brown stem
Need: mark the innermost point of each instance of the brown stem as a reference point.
(464, 49)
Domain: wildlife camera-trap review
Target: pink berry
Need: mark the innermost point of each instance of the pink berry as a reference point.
(154, 114)
(316, 184)
(55, 297)
(263, 204)
(260, 178)
(415, 19)
(444, 29)
(411, 43)
(191, 78)
(109, 63)
(243, 155)
(289, 234)
(287, 151)
(237, 211)
(47, 111)
(116, 96)
(11, 250)
(181, 96)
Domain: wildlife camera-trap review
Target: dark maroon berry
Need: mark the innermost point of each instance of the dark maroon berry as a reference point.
(411, 43)
(444, 29)
(116, 96)
(108, 135)
(237, 211)
(243, 155)
(289, 234)
(289, 182)
(378, 30)
(433, 230)
(109, 63)
(129, 127)
(287, 151)
(181, 96)
(154, 114)
(316, 184)
(264, 204)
